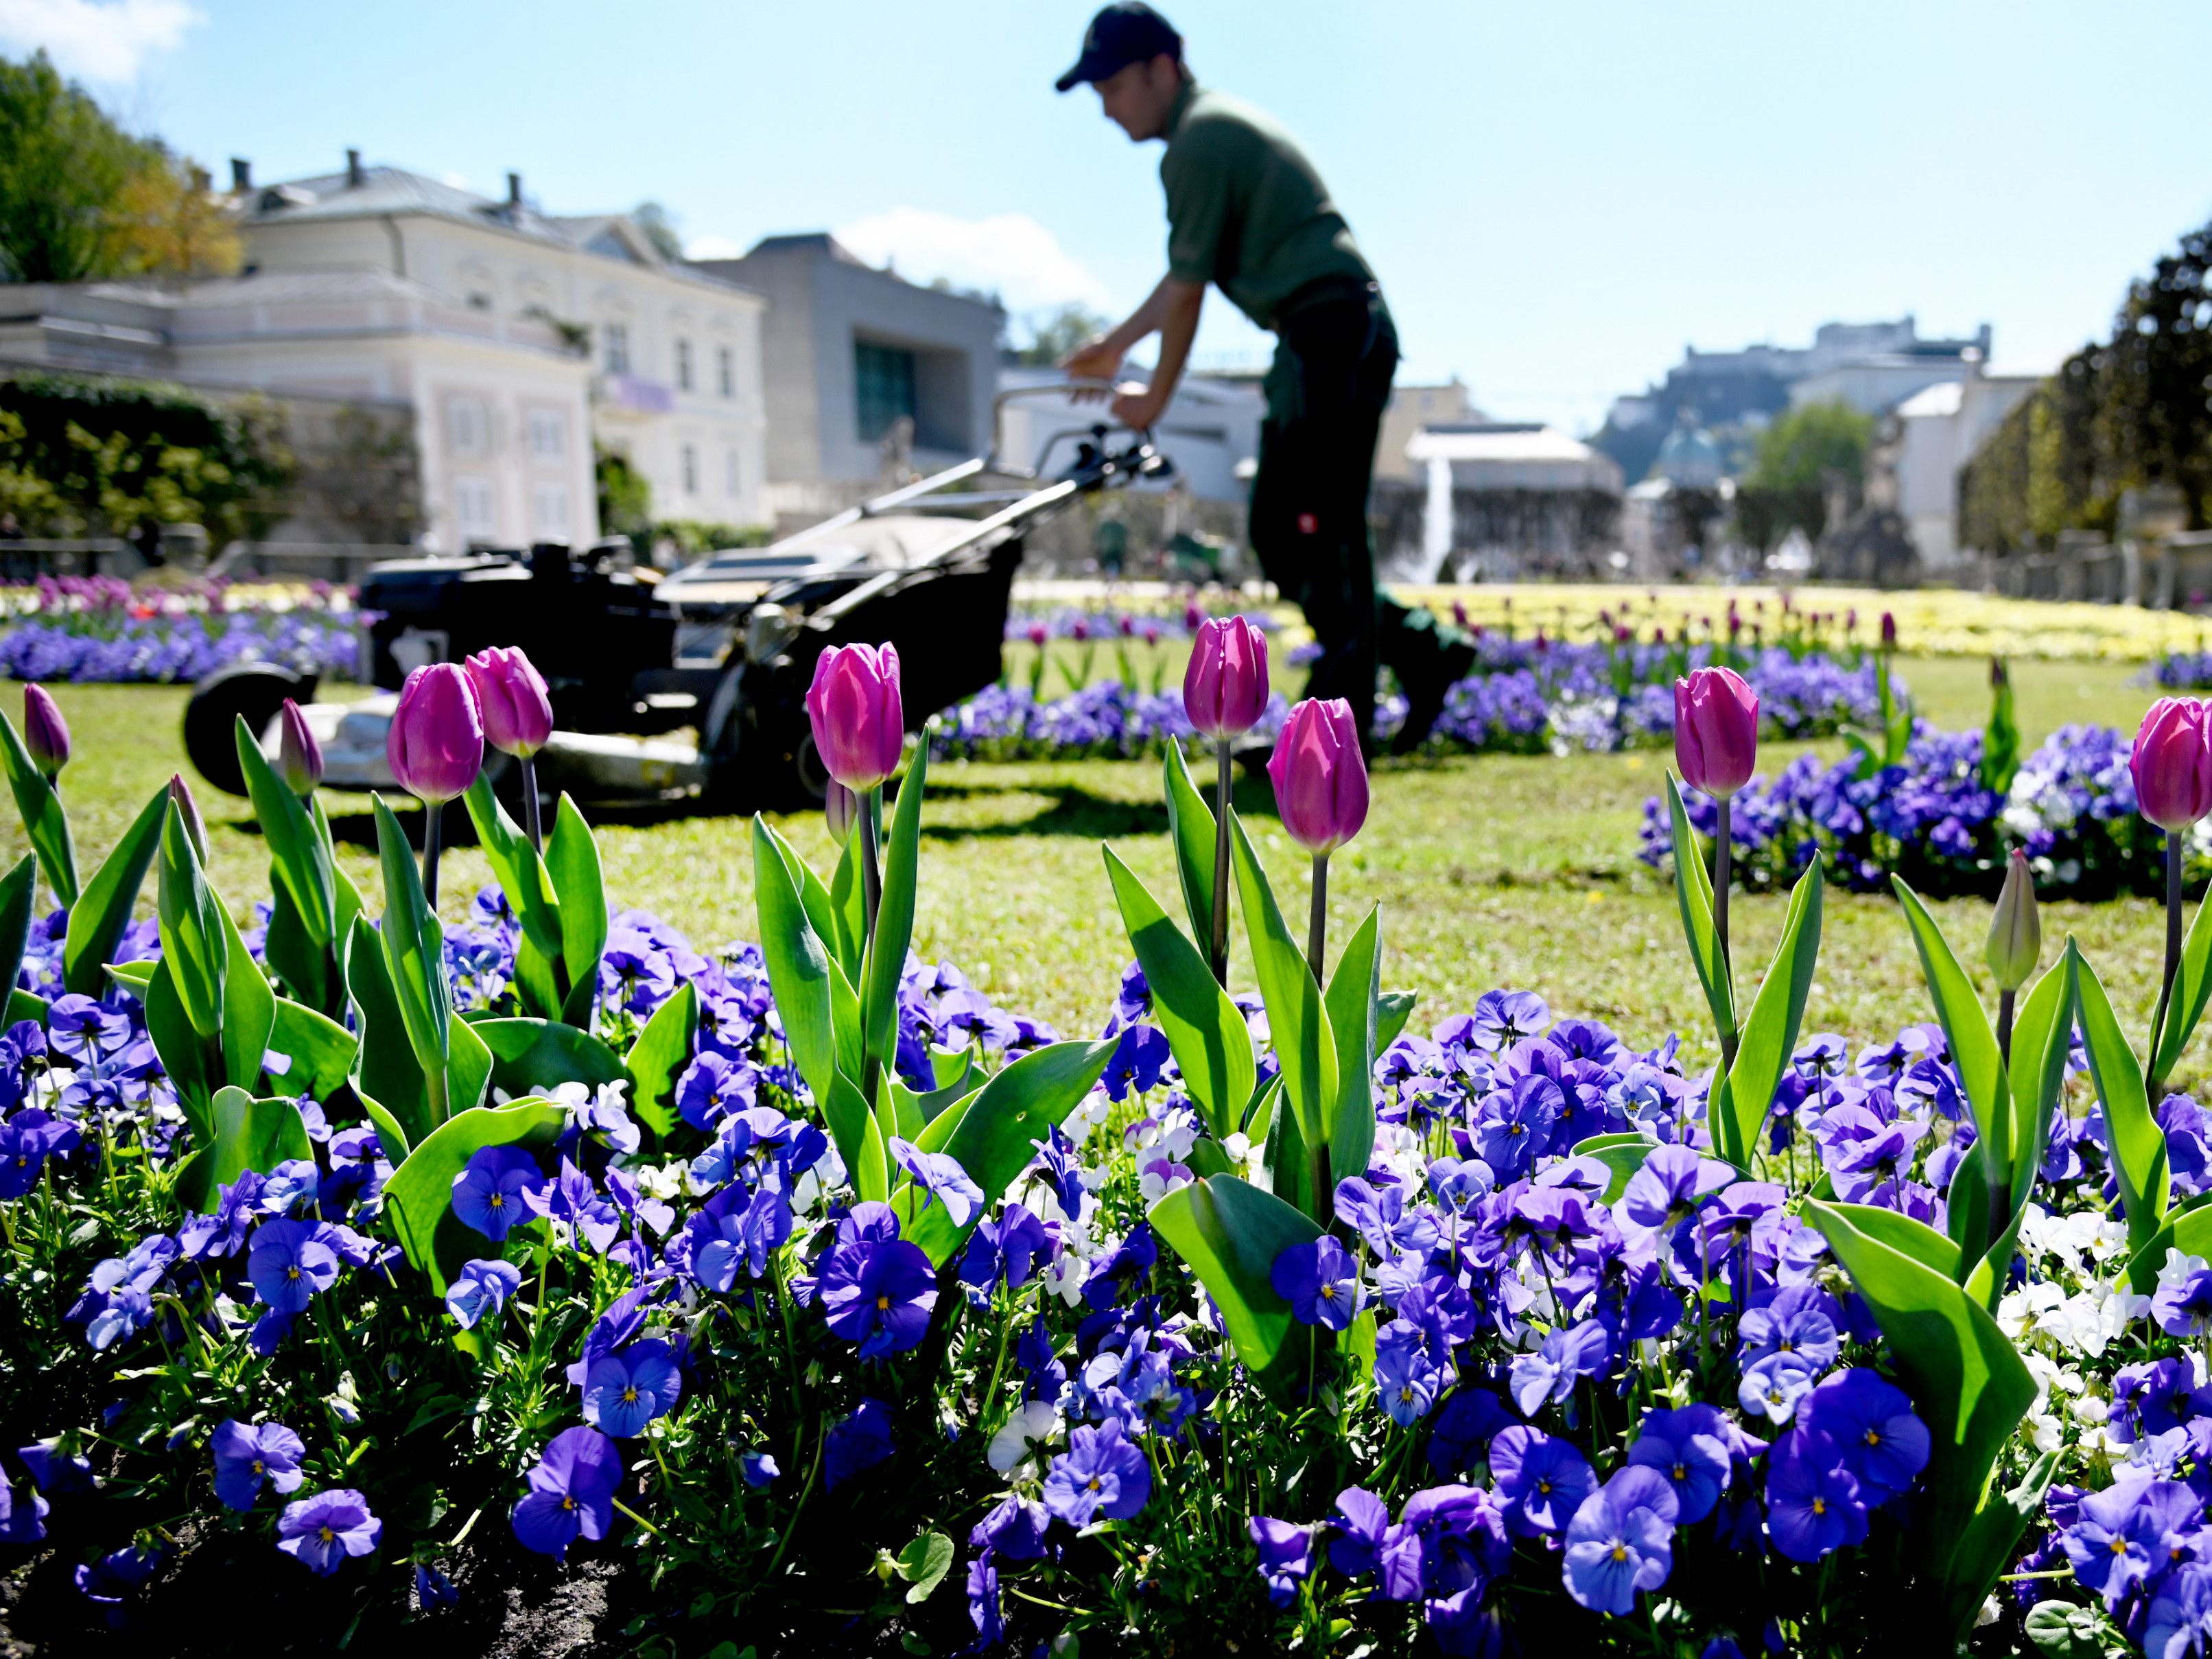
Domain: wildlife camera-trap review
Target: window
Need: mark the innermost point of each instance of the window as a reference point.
(683, 365)
(618, 342)
(472, 507)
(725, 372)
(549, 434)
(883, 387)
(691, 471)
(550, 506)
(730, 472)
(467, 427)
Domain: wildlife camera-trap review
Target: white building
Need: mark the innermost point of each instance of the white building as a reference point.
(1210, 430)
(1937, 432)
(1537, 474)
(656, 361)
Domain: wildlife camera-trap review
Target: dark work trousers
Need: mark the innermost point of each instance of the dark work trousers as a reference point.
(1326, 392)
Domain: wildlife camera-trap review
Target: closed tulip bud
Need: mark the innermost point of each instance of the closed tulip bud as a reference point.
(853, 705)
(189, 810)
(1715, 730)
(1225, 688)
(299, 757)
(518, 713)
(45, 733)
(2016, 931)
(1038, 634)
(842, 807)
(1888, 632)
(435, 743)
(2171, 763)
(1320, 776)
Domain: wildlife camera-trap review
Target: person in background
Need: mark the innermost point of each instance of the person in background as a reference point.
(1248, 213)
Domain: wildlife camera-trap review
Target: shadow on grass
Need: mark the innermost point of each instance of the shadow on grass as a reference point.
(1071, 810)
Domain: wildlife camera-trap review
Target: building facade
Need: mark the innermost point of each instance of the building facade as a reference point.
(661, 362)
(864, 374)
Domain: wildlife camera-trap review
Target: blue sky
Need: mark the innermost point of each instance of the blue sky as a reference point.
(1557, 198)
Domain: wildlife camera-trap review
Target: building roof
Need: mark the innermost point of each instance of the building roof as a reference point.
(1495, 440)
(337, 283)
(387, 191)
(1940, 399)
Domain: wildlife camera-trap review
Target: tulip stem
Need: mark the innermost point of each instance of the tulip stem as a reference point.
(2004, 1025)
(1220, 953)
(2173, 953)
(872, 898)
(433, 814)
(1317, 918)
(529, 819)
(1721, 880)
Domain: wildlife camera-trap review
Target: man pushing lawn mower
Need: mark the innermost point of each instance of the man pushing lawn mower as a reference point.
(1248, 213)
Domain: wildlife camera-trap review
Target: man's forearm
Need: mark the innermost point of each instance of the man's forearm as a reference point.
(1147, 319)
(1180, 304)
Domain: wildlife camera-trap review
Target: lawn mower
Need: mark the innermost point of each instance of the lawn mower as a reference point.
(692, 687)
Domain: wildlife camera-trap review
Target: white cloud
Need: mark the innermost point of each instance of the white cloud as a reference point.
(712, 248)
(1010, 254)
(106, 40)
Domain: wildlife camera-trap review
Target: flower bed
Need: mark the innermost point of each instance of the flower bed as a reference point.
(1932, 819)
(800, 1298)
(98, 628)
(1524, 698)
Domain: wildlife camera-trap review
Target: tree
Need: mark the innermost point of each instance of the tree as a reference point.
(2155, 419)
(1060, 334)
(1808, 454)
(625, 497)
(64, 169)
(658, 225)
(171, 224)
(80, 454)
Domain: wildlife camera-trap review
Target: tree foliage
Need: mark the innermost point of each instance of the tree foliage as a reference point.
(1809, 446)
(170, 224)
(1060, 334)
(658, 225)
(64, 168)
(625, 497)
(81, 454)
(2134, 410)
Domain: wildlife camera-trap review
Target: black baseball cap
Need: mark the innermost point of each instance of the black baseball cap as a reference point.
(1128, 32)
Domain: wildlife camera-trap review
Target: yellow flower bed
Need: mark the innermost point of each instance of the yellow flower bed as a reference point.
(1935, 621)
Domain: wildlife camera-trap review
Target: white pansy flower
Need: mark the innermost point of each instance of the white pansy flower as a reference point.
(1016, 1449)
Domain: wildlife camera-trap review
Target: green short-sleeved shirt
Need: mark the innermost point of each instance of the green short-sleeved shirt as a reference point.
(1246, 211)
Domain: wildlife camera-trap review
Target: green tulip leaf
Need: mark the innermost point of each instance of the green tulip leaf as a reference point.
(1231, 1233)
(1622, 1154)
(385, 1067)
(1393, 1011)
(321, 1049)
(192, 939)
(885, 961)
(517, 868)
(995, 1138)
(536, 1056)
(798, 968)
(103, 909)
(1204, 1030)
(2138, 1144)
(18, 896)
(1771, 1033)
(1989, 1545)
(249, 1010)
(1297, 1020)
(298, 857)
(1193, 832)
(1353, 990)
(300, 965)
(249, 1134)
(414, 953)
(187, 1057)
(659, 1056)
(1965, 1379)
(1973, 1042)
(572, 864)
(419, 1197)
(2192, 987)
(46, 826)
(1693, 896)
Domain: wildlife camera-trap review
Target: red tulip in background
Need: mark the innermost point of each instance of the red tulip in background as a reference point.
(45, 733)
(299, 757)
(1715, 730)
(2171, 763)
(1224, 689)
(435, 743)
(518, 713)
(853, 705)
(1320, 776)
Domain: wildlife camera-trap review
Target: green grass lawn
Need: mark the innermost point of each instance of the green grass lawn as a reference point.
(1492, 870)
